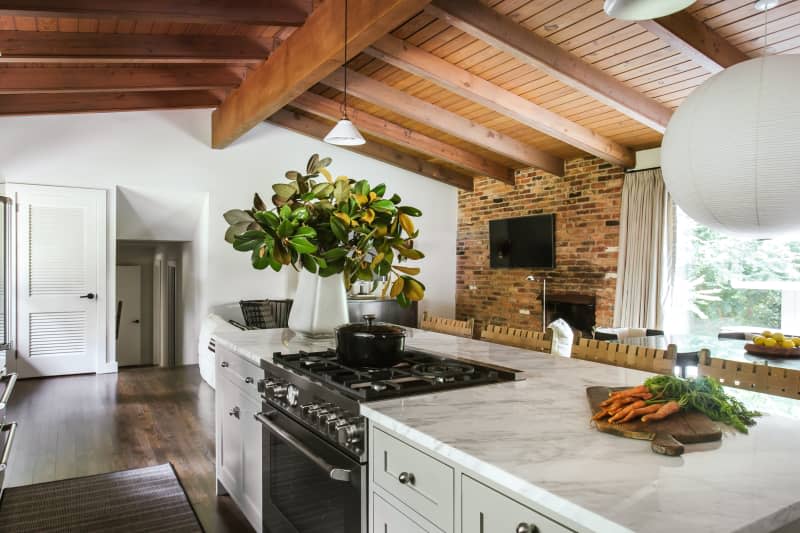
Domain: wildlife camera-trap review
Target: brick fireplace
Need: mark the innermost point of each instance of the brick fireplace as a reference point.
(587, 206)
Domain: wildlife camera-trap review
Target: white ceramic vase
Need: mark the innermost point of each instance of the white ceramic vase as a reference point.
(320, 304)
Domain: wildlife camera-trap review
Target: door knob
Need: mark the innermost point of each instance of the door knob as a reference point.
(234, 412)
(90, 296)
(135, 321)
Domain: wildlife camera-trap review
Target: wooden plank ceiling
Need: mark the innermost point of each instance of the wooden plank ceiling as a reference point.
(458, 88)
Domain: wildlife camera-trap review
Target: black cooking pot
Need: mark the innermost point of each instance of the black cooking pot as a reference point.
(370, 344)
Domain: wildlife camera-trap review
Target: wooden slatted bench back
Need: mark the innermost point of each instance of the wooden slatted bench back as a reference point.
(523, 338)
(751, 376)
(636, 357)
(451, 326)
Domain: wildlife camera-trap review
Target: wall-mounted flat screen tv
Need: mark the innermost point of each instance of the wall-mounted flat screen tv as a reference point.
(524, 242)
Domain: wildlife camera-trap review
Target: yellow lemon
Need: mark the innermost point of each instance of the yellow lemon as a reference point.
(796, 341)
(770, 342)
(787, 344)
(779, 337)
(758, 339)
(766, 333)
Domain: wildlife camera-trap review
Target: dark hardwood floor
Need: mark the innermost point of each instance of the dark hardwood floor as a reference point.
(81, 425)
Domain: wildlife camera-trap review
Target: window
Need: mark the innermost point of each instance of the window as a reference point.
(726, 281)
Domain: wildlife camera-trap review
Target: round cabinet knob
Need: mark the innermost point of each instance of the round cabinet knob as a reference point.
(406, 478)
(526, 528)
(248, 379)
(224, 364)
(234, 412)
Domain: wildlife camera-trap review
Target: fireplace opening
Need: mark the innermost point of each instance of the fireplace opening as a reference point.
(577, 310)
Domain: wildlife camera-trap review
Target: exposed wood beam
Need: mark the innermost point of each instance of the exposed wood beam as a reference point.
(692, 38)
(389, 131)
(30, 80)
(431, 115)
(486, 24)
(455, 79)
(309, 54)
(374, 149)
(257, 12)
(58, 47)
(37, 104)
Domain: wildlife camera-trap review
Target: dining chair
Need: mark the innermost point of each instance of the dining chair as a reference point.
(615, 334)
(759, 377)
(450, 326)
(624, 355)
(522, 338)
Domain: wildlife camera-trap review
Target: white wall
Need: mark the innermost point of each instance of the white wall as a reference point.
(170, 151)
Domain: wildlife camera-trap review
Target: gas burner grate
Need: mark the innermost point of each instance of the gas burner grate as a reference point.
(418, 372)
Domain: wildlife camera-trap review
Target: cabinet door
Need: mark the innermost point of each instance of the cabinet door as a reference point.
(387, 519)
(230, 443)
(484, 510)
(251, 465)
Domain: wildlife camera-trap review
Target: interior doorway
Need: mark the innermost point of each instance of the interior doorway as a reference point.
(148, 308)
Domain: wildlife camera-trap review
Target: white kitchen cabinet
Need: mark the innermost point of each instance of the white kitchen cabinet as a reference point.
(388, 519)
(414, 489)
(238, 433)
(485, 510)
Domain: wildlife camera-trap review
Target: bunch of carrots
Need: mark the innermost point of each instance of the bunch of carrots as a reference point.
(638, 402)
(662, 396)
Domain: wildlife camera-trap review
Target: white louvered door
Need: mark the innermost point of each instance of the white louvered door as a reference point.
(60, 254)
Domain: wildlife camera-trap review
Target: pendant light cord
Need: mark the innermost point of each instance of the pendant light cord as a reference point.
(344, 65)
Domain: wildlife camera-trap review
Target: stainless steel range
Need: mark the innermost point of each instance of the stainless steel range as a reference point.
(315, 449)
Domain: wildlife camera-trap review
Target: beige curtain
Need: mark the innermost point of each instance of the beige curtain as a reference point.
(646, 251)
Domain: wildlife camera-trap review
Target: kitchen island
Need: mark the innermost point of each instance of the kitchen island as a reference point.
(532, 440)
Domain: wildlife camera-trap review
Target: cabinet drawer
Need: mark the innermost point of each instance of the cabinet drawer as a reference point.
(414, 478)
(388, 519)
(484, 510)
(239, 370)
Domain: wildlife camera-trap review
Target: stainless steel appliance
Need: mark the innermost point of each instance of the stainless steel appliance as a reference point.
(7, 379)
(315, 442)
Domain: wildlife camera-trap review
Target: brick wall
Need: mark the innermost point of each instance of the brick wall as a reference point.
(586, 202)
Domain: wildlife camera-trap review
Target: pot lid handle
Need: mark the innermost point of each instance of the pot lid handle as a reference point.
(370, 318)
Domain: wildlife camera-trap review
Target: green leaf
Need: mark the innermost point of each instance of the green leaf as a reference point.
(285, 212)
(307, 197)
(301, 214)
(236, 216)
(234, 230)
(396, 199)
(302, 245)
(385, 206)
(341, 191)
(260, 260)
(321, 262)
(309, 263)
(362, 188)
(334, 254)
(285, 229)
(268, 218)
(403, 300)
(313, 161)
(249, 240)
(306, 231)
(380, 190)
(409, 253)
(410, 211)
(292, 175)
(285, 190)
(322, 190)
(338, 229)
(324, 162)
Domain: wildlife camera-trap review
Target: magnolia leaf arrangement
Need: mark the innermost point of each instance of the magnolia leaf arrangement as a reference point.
(328, 226)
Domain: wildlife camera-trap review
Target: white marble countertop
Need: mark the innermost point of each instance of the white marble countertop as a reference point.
(534, 438)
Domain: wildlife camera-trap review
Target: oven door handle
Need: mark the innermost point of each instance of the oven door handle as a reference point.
(12, 380)
(335, 473)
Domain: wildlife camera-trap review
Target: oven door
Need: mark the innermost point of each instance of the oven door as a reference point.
(308, 485)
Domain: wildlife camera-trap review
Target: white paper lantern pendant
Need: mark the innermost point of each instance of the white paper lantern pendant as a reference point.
(731, 153)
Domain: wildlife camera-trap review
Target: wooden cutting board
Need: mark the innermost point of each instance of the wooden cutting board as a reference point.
(667, 436)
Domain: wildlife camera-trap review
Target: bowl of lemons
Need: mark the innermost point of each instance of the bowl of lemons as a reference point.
(776, 344)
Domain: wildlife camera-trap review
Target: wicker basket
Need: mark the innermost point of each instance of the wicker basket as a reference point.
(266, 314)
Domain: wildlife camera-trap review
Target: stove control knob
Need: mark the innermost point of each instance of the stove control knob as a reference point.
(292, 394)
(279, 391)
(316, 416)
(327, 418)
(308, 408)
(350, 434)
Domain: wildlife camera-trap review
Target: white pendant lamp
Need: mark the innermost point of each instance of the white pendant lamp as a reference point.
(643, 9)
(345, 133)
(730, 155)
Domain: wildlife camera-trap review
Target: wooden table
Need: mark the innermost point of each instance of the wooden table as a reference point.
(730, 349)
